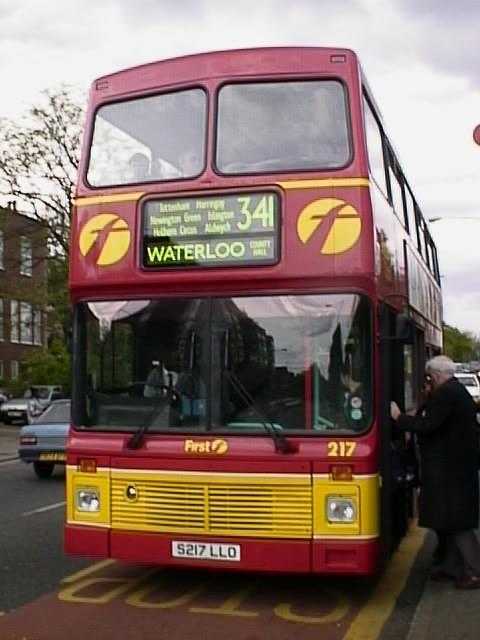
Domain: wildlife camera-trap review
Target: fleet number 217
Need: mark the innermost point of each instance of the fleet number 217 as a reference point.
(341, 449)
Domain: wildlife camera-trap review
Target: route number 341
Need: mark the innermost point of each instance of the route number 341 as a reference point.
(341, 449)
(263, 213)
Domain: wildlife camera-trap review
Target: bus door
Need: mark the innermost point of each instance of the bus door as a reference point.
(399, 368)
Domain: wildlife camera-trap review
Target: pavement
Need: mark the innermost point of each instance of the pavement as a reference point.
(443, 612)
(9, 441)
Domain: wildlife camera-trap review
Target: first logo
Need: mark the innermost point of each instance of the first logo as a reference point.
(343, 224)
(107, 236)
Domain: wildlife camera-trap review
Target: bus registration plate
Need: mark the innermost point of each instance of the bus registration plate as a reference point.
(206, 550)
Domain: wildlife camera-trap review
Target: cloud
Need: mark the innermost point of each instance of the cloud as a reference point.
(461, 311)
(460, 12)
(447, 34)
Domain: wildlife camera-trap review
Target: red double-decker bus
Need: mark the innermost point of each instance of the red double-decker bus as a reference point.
(253, 282)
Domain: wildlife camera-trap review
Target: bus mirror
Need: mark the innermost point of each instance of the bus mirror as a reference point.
(476, 134)
(404, 329)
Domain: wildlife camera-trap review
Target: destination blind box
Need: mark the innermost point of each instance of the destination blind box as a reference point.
(211, 231)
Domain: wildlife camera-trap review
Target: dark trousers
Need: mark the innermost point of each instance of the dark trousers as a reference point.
(459, 553)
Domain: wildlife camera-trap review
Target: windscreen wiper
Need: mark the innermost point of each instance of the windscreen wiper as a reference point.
(137, 438)
(282, 445)
(136, 441)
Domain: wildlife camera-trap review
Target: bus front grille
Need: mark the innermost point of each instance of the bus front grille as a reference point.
(235, 505)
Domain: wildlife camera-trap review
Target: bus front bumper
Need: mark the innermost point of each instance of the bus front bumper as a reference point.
(332, 556)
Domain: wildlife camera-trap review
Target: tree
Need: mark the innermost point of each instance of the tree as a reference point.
(60, 317)
(460, 346)
(39, 158)
(47, 367)
(38, 163)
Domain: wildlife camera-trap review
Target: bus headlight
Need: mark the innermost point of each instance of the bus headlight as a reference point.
(88, 499)
(341, 509)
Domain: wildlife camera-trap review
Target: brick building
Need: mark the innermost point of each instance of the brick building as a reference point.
(23, 290)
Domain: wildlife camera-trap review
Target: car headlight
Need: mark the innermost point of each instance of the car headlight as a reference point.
(28, 440)
(88, 499)
(341, 509)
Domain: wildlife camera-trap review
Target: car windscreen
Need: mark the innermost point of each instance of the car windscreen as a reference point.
(468, 381)
(41, 393)
(265, 127)
(56, 412)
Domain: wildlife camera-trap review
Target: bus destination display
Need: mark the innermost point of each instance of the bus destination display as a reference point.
(214, 231)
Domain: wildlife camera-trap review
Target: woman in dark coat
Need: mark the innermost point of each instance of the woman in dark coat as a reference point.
(449, 495)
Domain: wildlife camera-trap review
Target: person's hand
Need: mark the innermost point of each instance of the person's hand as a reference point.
(394, 410)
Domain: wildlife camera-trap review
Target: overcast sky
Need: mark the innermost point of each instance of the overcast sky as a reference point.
(421, 58)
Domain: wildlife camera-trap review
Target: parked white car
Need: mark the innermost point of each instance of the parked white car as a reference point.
(471, 383)
(35, 400)
(44, 394)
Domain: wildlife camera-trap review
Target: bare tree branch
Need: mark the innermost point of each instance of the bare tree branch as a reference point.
(39, 160)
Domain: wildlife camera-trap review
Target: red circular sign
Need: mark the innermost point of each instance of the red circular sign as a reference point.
(476, 134)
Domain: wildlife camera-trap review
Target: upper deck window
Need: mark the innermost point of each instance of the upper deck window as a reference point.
(150, 139)
(282, 126)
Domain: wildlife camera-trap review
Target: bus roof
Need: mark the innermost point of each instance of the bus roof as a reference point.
(234, 62)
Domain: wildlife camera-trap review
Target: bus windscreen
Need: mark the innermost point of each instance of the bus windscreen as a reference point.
(299, 362)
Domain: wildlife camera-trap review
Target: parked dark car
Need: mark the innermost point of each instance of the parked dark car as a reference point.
(43, 443)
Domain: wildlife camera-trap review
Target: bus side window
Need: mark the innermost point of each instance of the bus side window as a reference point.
(419, 221)
(410, 213)
(375, 150)
(396, 189)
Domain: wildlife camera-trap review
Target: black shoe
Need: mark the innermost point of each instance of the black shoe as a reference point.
(468, 582)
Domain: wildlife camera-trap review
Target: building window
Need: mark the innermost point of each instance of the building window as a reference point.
(26, 325)
(14, 321)
(14, 370)
(2, 305)
(2, 246)
(37, 327)
(26, 261)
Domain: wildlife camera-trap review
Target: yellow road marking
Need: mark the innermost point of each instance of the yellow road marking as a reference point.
(136, 599)
(88, 571)
(231, 606)
(370, 620)
(284, 610)
(119, 586)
